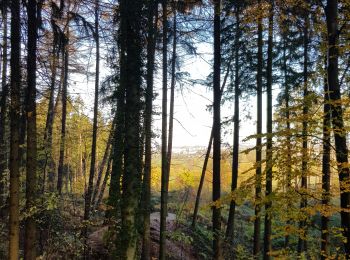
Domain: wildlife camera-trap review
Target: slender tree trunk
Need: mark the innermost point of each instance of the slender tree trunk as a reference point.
(31, 178)
(289, 152)
(88, 194)
(104, 183)
(217, 250)
(14, 129)
(146, 198)
(257, 221)
(235, 154)
(201, 182)
(326, 170)
(64, 117)
(337, 117)
(132, 15)
(106, 155)
(172, 93)
(3, 107)
(23, 128)
(269, 162)
(49, 163)
(302, 242)
(206, 159)
(165, 177)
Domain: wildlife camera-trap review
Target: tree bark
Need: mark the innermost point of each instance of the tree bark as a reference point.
(3, 107)
(14, 128)
(31, 178)
(172, 92)
(165, 175)
(119, 133)
(257, 220)
(235, 154)
(269, 158)
(326, 170)
(289, 148)
(201, 181)
(302, 242)
(104, 183)
(88, 194)
(131, 13)
(216, 218)
(64, 116)
(49, 163)
(106, 155)
(146, 198)
(337, 118)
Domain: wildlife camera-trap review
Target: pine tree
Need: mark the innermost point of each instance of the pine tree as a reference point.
(14, 128)
(217, 250)
(31, 176)
(337, 116)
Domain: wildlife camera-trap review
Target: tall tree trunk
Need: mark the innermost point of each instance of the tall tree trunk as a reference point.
(337, 117)
(259, 76)
(165, 177)
(146, 198)
(269, 159)
(65, 57)
(326, 170)
(119, 131)
(302, 242)
(131, 13)
(206, 158)
(287, 115)
(31, 178)
(14, 129)
(217, 250)
(3, 107)
(172, 92)
(49, 163)
(235, 154)
(88, 194)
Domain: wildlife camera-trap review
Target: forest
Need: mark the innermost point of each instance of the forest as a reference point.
(90, 112)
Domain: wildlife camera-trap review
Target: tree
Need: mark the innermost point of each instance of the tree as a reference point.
(51, 111)
(14, 128)
(216, 133)
(65, 57)
(3, 106)
(269, 158)
(165, 174)
(146, 196)
(326, 170)
(259, 75)
(31, 176)
(105, 159)
(235, 152)
(206, 159)
(302, 243)
(88, 195)
(337, 117)
(104, 183)
(119, 128)
(131, 15)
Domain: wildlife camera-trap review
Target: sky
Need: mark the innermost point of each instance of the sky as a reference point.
(193, 121)
(192, 124)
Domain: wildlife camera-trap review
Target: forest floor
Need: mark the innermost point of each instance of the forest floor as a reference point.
(177, 248)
